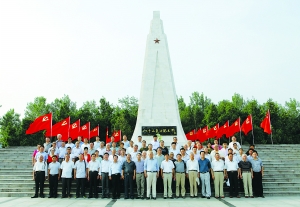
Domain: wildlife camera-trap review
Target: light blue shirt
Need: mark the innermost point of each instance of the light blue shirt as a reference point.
(114, 168)
(256, 164)
(151, 165)
(81, 169)
(139, 166)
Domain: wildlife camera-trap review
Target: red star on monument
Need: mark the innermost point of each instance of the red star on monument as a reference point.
(156, 41)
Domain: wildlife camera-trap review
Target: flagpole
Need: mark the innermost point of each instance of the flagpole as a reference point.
(69, 127)
(252, 130)
(270, 125)
(51, 126)
(240, 130)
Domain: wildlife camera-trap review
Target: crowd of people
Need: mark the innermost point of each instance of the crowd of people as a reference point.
(152, 168)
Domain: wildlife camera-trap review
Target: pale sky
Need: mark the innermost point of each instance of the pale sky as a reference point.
(90, 49)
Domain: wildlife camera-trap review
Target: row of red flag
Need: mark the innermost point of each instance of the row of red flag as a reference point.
(217, 132)
(66, 129)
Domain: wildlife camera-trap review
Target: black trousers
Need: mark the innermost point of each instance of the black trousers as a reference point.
(233, 179)
(93, 184)
(53, 183)
(80, 186)
(105, 186)
(257, 184)
(128, 184)
(115, 183)
(66, 186)
(39, 182)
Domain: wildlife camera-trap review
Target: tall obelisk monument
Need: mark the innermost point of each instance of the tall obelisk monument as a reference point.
(158, 108)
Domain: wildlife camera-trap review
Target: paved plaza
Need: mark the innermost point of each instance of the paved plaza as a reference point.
(188, 202)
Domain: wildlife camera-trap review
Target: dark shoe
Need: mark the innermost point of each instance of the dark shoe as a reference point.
(230, 196)
(132, 197)
(208, 197)
(263, 196)
(223, 197)
(147, 198)
(202, 196)
(50, 197)
(142, 198)
(42, 196)
(177, 197)
(183, 197)
(246, 196)
(216, 197)
(35, 196)
(154, 198)
(171, 197)
(252, 196)
(191, 196)
(63, 196)
(238, 196)
(90, 197)
(165, 197)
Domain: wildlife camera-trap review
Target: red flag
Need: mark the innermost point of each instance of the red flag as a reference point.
(62, 128)
(117, 135)
(202, 136)
(94, 132)
(85, 130)
(222, 130)
(235, 127)
(213, 131)
(247, 125)
(266, 123)
(75, 129)
(106, 138)
(40, 123)
(191, 135)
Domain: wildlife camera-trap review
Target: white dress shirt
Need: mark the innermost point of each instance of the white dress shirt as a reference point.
(213, 153)
(54, 168)
(76, 151)
(97, 144)
(101, 151)
(62, 152)
(139, 144)
(104, 168)
(94, 166)
(155, 145)
(231, 165)
(175, 151)
(40, 166)
(67, 168)
(121, 159)
(133, 156)
(167, 166)
(192, 165)
(129, 150)
(218, 165)
(81, 167)
(114, 168)
(126, 144)
(70, 145)
(85, 145)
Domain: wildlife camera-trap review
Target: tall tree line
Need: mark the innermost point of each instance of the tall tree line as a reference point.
(198, 112)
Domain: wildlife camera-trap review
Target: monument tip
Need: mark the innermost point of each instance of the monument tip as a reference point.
(156, 14)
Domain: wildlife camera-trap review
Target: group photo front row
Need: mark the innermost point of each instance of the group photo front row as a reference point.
(140, 170)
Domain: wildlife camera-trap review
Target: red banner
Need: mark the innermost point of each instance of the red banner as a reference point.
(40, 123)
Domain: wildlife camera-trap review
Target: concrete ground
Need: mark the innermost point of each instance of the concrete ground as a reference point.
(188, 202)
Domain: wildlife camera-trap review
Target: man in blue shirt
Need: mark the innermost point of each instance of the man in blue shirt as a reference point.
(140, 178)
(151, 171)
(204, 168)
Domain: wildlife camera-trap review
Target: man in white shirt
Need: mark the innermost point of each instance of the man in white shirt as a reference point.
(174, 149)
(80, 175)
(56, 152)
(231, 172)
(155, 143)
(129, 149)
(192, 168)
(70, 144)
(134, 153)
(66, 174)
(184, 156)
(125, 141)
(217, 172)
(93, 176)
(111, 157)
(53, 176)
(97, 143)
(167, 172)
(47, 144)
(85, 144)
(139, 142)
(101, 149)
(224, 149)
(115, 176)
(61, 152)
(39, 174)
(216, 150)
(233, 140)
(76, 151)
(104, 171)
(150, 149)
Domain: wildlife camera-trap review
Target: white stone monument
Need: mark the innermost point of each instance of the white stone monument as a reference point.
(158, 108)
